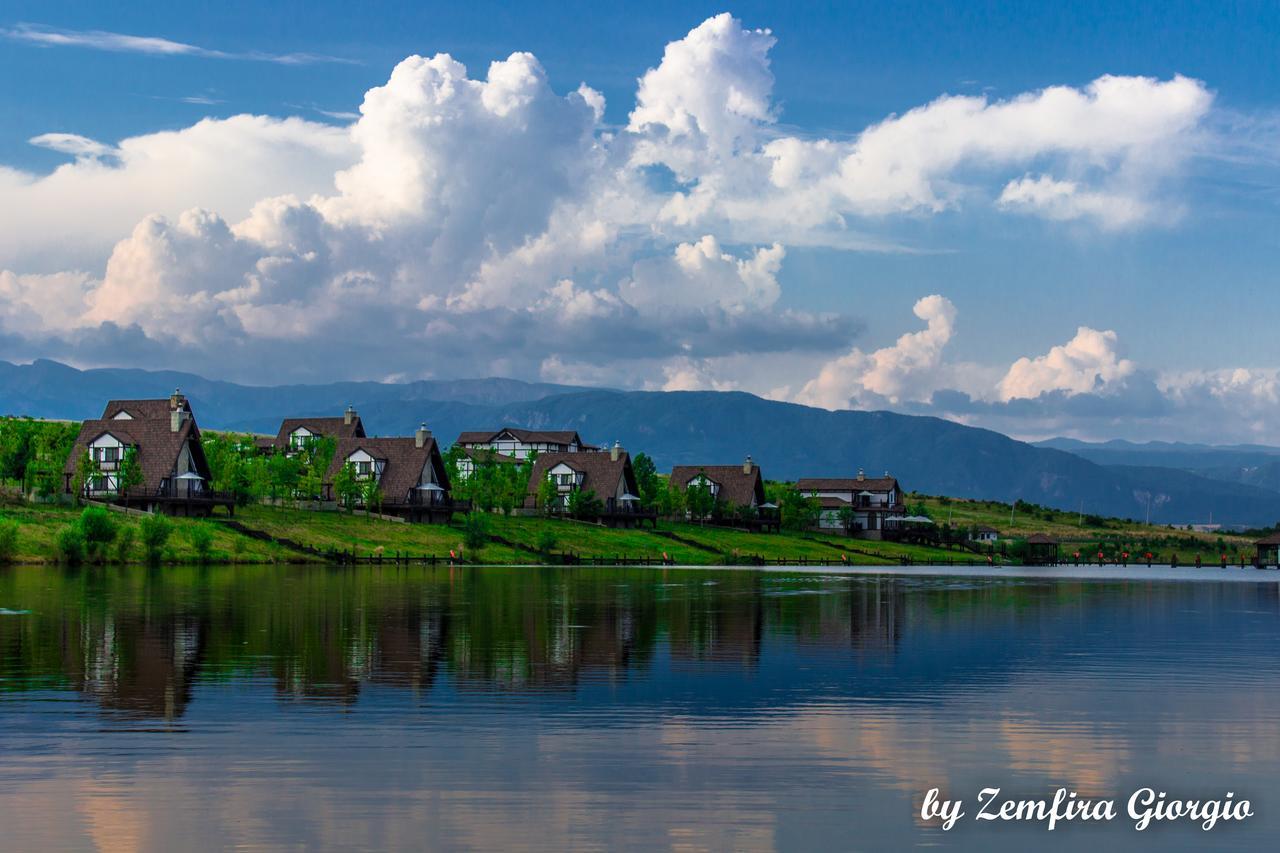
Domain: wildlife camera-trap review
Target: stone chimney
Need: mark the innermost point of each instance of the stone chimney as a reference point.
(748, 465)
(177, 412)
(861, 475)
(349, 416)
(615, 452)
(420, 437)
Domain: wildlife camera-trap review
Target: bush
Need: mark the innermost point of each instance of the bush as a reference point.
(155, 531)
(8, 540)
(99, 531)
(70, 545)
(475, 530)
(124, 544)
(546, 542)
(201, 542)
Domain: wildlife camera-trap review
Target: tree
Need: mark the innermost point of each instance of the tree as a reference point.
(585, 505)
(475, 530)
(155, 530)
(796, 511)
(548, 496)
(130, 476)
(8, 540)
(87, 471)
(283, 473)
(698, 500)
(647, 479)
(371, 494)
(201, 542)
(847, 518)
(99, 531)
(347, 486)
(546, 541)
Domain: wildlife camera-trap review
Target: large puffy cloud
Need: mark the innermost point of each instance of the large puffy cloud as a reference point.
(490, 224)
(908, 370)
(1086, 363)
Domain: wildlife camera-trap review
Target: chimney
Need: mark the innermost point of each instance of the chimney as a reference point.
(861, 475)
(349, 416)
(615, 452)
(420, 437)
(176, 413)
(748, 465)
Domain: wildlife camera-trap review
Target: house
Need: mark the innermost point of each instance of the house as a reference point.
(410, 474)
(295, 434)
(470, 457)
(984, 534)
(162, 436)
(1042, 550)
(738, 491)
(521, 443)
(608, 475)
(873, 499)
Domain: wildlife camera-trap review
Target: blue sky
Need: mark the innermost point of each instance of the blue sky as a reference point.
(1168, 239)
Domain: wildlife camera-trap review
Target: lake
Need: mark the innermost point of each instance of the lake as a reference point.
(590, 708)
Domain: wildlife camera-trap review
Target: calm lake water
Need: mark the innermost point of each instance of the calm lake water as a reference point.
(376, 708)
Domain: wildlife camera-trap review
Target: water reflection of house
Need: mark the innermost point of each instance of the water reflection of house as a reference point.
(141, 665)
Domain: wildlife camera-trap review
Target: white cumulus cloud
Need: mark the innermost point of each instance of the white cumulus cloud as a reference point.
(1087, 363)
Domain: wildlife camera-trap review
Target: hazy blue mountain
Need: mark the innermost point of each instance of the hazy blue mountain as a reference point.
(789, 441)
(1252, 464)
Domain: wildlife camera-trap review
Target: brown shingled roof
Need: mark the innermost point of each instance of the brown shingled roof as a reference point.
(157, 445)
(848, 484)
(335, 427)
(736, 486)
(601, 474)
(142, 409)
(404, 460)
(528, 436)
(1041, 539)
(480, 454)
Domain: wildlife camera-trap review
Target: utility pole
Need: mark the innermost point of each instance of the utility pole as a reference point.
(1148, 509)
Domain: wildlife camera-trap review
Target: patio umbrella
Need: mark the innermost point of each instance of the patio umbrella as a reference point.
(429, 487)
(769, 506)
(190, 475)
(627, 496)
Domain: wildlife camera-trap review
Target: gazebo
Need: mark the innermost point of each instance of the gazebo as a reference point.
(1042, 550)
(1268, 550)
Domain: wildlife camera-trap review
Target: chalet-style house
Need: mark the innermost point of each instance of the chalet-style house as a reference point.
(519, 444)
(410, 474)
(163, 437)
(984, 534)
(873, 499)
(471, 457)
(738, 490)
(608, 475)
(296, 434)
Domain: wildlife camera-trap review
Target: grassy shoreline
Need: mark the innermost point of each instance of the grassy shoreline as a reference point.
(264, 534)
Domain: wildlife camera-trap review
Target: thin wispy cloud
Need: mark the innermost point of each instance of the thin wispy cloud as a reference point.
(123, 43)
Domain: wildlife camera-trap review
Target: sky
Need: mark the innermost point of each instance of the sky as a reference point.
(1047, 219)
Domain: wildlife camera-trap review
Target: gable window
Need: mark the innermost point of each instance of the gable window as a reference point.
(364, 469)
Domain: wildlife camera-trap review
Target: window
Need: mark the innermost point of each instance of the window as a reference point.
(110, 454)
(364, 469)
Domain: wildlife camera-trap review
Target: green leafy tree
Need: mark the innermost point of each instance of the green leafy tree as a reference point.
(346, 486)
(124, 544)
(585, 505)
(87, 472)
(70, 545)
(8, 540)
(201, 542)
(371, 494)
(546, 541)
(155, 531)
(475, 530)
(847, 518)
(647, 479)
(699, 501)
(99, 530)
(548, 497)
(130, 476)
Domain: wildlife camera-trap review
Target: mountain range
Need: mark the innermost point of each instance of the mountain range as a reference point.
(926, 454)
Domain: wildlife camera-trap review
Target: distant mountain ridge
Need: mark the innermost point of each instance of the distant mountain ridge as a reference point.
(683, 427)
(1251, 464)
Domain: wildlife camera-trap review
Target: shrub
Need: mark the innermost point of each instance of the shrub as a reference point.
(201, 542)
(99, 531)
(124, 543)
(8, 540)
(155, 531)
(546, 542)
(70, 545)
(475, 530)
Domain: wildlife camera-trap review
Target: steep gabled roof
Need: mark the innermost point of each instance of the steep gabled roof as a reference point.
(335, 427)
(601, 473)
(404, 460)
(158, 446)
(1041, 539)
(480, 454)
(736, 485)
(142, 409)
